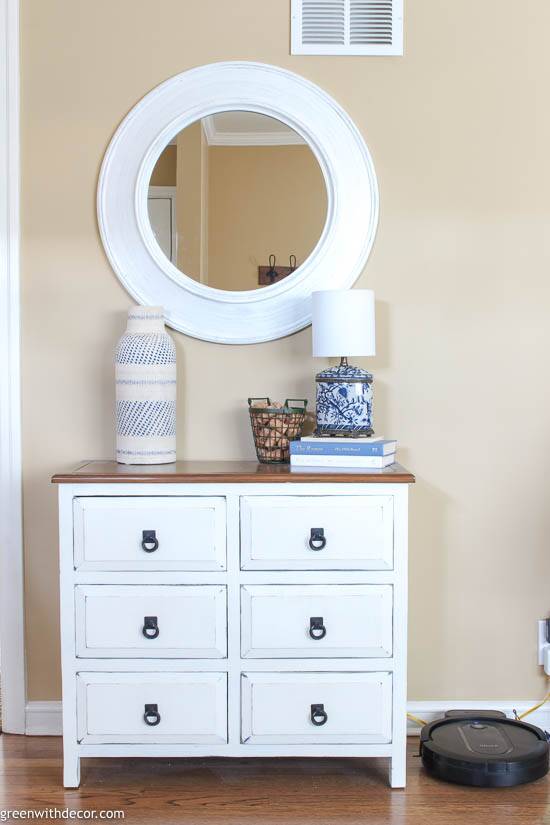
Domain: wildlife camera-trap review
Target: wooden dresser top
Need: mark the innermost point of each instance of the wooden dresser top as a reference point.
(236, 472)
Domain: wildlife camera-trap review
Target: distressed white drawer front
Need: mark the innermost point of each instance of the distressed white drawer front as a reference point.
(114, 533)
(191, 707)
(183, 621)
(277, 707)
(317, 532)
(316, 620)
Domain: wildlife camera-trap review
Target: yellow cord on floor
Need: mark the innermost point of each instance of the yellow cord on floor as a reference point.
(535, 707)
(416, 719)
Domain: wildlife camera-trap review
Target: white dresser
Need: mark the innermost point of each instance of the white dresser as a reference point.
(233, 609)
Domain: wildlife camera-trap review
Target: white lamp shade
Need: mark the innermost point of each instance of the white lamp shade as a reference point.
(343, 322)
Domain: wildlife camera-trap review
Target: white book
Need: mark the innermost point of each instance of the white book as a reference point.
(367, 462)
(335, 439)
(341, 470)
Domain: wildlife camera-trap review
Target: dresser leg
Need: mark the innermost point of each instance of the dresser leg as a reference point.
(71, 770)
(398, 771)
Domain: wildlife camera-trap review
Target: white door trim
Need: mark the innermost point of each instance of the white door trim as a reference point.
(169, 192)
(12, 636)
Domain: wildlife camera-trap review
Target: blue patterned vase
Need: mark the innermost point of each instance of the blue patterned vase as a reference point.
(344, 401)
(146, 390)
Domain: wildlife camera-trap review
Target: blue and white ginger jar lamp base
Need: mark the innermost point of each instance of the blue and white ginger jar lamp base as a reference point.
(344, 401)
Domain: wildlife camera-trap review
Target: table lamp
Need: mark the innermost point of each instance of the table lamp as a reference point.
(343, 326)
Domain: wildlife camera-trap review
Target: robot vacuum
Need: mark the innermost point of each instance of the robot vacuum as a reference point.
(484, 748)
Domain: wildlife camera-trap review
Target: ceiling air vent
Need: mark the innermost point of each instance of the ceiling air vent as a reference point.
(347, 27)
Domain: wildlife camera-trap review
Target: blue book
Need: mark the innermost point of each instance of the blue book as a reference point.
(342, 446)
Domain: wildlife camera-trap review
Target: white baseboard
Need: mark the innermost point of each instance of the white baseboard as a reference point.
(45, 719)
(432, 709)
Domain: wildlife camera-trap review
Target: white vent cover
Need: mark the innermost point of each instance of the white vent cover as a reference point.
(347, 27)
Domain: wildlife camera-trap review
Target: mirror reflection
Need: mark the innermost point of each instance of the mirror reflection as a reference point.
(237, 200)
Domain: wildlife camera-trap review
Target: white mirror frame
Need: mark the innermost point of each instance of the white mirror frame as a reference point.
(199, 310)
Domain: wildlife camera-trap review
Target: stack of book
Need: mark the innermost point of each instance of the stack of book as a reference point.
(373, 453)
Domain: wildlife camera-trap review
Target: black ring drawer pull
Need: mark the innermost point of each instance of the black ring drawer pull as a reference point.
(150, 627)
(318, 715)
(317, 538)
(149, 541)
(317, 630)
(151, 716)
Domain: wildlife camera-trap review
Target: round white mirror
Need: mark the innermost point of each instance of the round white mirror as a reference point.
(229, 194)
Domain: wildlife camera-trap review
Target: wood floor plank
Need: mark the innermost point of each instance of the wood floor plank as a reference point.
(257, 791)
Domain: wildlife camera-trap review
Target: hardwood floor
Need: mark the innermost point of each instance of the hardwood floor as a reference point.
(249, 791)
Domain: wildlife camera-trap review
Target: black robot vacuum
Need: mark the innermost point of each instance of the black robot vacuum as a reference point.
(483, 748)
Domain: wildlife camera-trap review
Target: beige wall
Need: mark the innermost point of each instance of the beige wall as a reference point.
(459, 131)
(262, 200)
(192, 199)
(164, 173)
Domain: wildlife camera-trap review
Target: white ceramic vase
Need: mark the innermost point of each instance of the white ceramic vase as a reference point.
(145, 390)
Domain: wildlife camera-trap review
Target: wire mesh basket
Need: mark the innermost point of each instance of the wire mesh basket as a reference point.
(275, 427)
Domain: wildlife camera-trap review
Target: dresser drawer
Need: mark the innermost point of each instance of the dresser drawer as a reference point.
(164, 621)
(149, 533)
(180, 707)
(317, 532)
(310, 621)
(347, 707)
